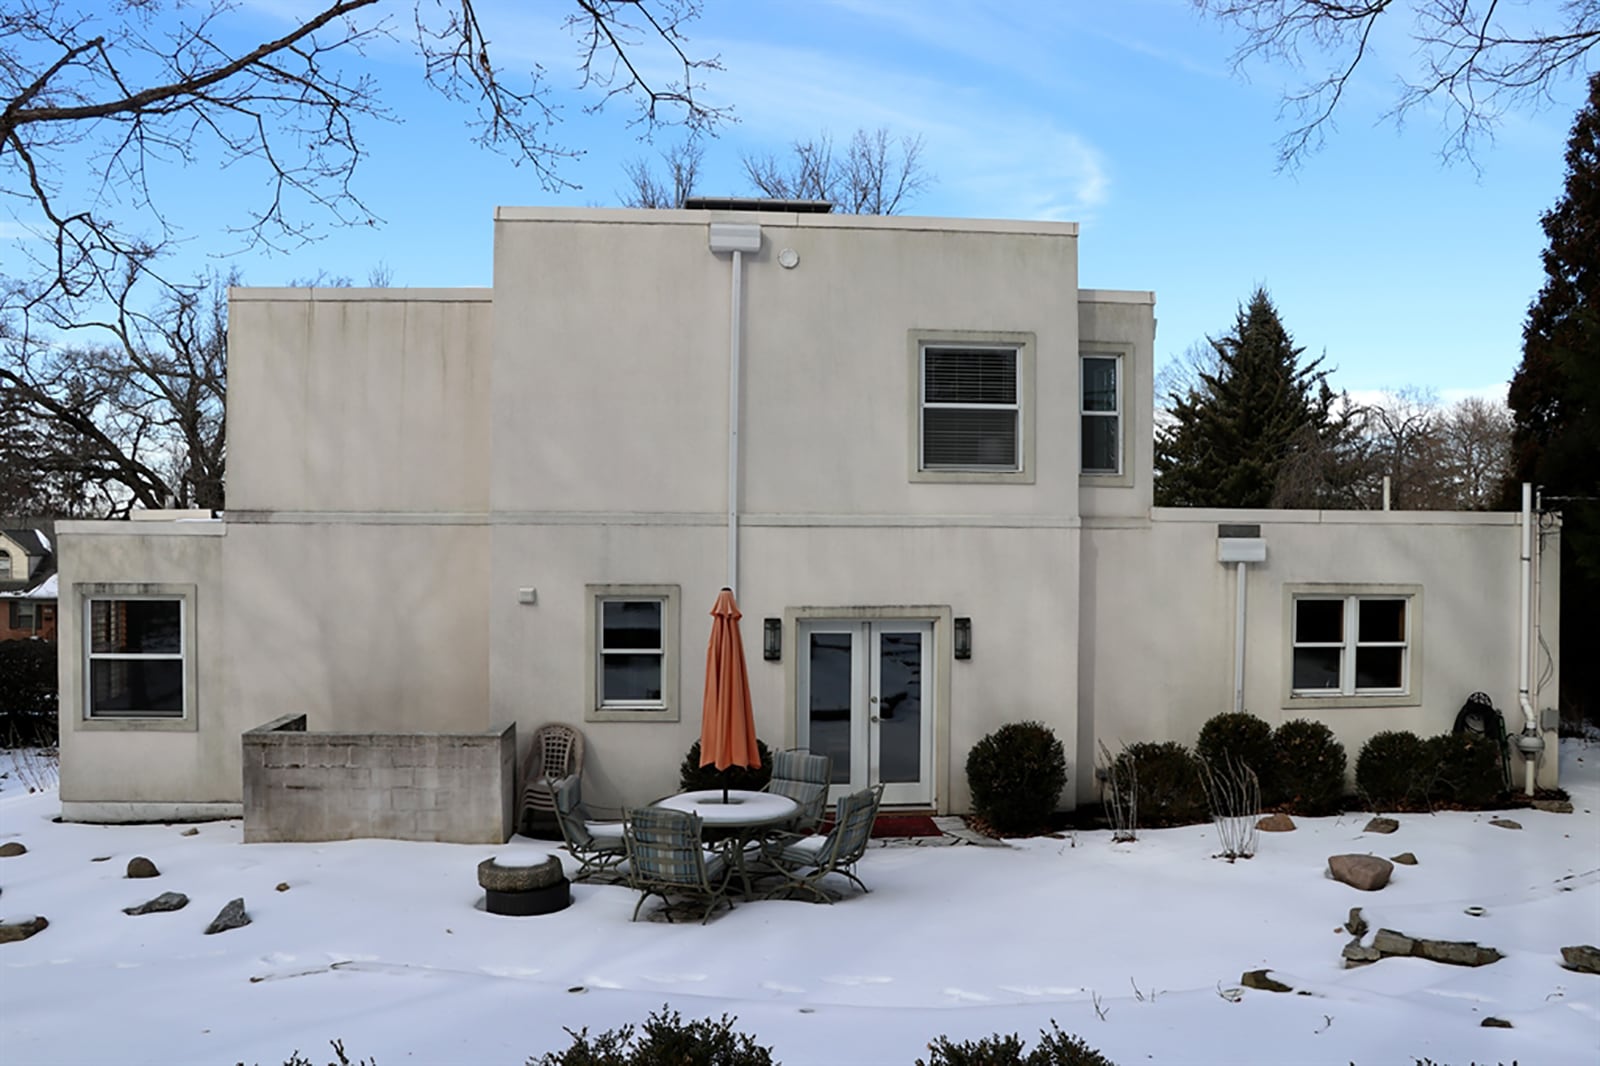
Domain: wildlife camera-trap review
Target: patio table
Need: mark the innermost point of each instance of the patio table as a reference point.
(744, 817)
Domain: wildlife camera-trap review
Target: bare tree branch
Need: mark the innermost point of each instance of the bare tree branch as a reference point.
(1475, 59)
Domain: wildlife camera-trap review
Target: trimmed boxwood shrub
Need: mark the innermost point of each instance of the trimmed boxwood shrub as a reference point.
(1245, 739)
(1465, 770)
(1055, 1048)
(692, 777)
(1169, 790)
(666, 1041)
(1016, 775)
(1394, 770)
(1311, 766)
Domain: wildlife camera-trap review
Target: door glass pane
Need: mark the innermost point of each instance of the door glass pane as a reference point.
(899, 707)
(828, 660)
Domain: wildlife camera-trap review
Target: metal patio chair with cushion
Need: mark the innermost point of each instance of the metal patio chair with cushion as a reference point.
(556, 752)
(803, 777)
(804, 861)
(666, 858)
(597, 845)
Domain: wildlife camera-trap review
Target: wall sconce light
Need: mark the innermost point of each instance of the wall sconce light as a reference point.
(772, 640)
(963, 638)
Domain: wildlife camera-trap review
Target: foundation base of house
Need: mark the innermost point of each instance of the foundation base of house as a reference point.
(132, 813)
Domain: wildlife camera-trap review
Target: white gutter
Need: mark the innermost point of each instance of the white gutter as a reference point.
(737, 238)
(1529, 743)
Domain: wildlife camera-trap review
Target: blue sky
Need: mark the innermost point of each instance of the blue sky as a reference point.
(1125, 117)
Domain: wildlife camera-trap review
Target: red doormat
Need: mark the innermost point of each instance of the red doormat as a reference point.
(899, 825)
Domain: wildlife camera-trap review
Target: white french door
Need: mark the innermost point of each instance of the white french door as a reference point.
(865, 699)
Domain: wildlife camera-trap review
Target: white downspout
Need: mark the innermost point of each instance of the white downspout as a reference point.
(1238, 639)
(738, 238)
(1529, 743)
(735, 320)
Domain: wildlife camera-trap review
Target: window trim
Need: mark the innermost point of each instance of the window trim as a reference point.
(185, 594)
(668, 709)
(1115, 414)
(1025, 345)
(9, 571)
(1351, 595)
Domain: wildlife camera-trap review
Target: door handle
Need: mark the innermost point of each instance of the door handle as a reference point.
(874, 718)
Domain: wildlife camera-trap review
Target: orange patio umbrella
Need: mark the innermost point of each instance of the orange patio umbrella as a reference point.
(727, 724)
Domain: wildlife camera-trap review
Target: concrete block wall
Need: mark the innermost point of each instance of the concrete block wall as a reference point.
(452, 787)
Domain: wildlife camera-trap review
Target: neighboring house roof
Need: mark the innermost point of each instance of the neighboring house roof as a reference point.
(39, 580)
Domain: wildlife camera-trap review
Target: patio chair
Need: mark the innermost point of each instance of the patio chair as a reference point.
(804, 861)
(556, 752)
(803, 777)
(666, 858)
(597, 845)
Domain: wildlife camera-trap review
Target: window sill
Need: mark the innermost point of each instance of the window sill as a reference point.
(187, 724)
(1333, 703)
(1090, 479)
(973, 477)
(631, 714)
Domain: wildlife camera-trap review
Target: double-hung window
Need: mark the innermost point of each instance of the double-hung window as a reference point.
(5, 566)
(1100, 414)
(1353, 644)
(136, 657)
(971, 408)
(972, 405)
(634, 642)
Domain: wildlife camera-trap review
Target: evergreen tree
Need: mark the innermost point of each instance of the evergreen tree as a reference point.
(1234, 436)
(1555, 399)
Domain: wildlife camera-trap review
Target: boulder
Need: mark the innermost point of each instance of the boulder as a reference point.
(190, 832)
(22, 928)
(1494, 1023)
(231, 916)
(167, 901)
(1553, 806)
(139, 866)
(1356, 925)
(1365, 872)
(1381, 824)
(283, 886)
(1405, 858)
(11, 849)
(1356, 955)
(1263, 980)
(1277, 822)
(1505, 823)
(1391, 944)
(1584, 958)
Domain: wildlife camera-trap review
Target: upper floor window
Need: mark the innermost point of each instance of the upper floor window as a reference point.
(971, 406)
(1100, 414)
(5, 565)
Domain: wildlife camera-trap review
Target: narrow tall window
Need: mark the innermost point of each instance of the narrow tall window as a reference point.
(1100, 414)
(135, 651)
(971, 409)
(632, 648)
(5, 566)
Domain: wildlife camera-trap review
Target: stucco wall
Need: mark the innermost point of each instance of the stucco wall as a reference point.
(1158, 674)
(352, 400)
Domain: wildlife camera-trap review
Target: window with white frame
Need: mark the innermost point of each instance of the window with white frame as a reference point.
(24, 615)
(1351, 645)
(135, 657)
(1100, 413)
(971, 404)
(633, 634)
(5, 565)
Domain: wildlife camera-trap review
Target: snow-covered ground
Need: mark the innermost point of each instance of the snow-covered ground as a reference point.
(1136, 947)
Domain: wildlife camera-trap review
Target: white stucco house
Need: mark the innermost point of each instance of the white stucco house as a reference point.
(919, 451)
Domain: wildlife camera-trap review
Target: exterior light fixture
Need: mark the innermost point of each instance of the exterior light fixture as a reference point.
(963, 638)
(772, 640)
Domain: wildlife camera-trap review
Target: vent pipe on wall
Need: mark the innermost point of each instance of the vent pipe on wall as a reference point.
(1530, 743)
(737, 238)
(1240, 545)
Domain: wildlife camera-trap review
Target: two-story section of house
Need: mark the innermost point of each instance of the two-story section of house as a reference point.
(919, 452)
(27, 584)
